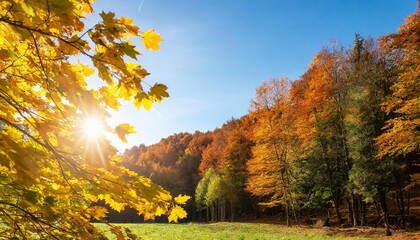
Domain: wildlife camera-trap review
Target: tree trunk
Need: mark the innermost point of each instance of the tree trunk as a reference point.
(220, 213)
(397, 198)
(287, 215)
(387, 228)
(402, 202)
(350, 214)
(382, 199)
(327, 219)
(213, 213)
(295, 216)
(378, 210)
(355, 209)
(223, 211)
(337, 212)
(255, 212)
(232, 211)
(363, 210)
(216, 212)
(409, 197)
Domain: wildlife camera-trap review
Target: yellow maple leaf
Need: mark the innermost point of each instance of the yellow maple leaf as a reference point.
(182, 199)
(151, 39)
(97, 212)
(176, 213)
(123, 129)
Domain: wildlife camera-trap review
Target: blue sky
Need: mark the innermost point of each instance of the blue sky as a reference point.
(215, 53)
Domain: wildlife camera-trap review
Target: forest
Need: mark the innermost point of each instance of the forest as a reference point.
(339, 146)
(340, 143)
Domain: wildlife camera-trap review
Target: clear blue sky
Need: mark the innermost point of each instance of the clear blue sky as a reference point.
(216, 52)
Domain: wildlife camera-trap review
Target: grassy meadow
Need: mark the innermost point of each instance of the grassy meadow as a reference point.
(252, 231)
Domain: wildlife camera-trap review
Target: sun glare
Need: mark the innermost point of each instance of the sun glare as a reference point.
(92, 128)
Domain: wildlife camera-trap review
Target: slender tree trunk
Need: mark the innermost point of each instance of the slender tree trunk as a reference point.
(223, 212)
(363, 220)
(402, 193)
(402, 202)
(409, 197)
(232, 211)
(294, 215)
(337, 209)
(333, 189)
(397, 198)
(327, 218)
(207, 214)
(287, 215)
(216, 212)
(387, 228)
(378, 210)
(350, 214)
(255, 212)
(213, 213)
(355, 209)
(220, 212)
(384, 207)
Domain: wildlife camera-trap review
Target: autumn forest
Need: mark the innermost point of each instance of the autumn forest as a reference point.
(339, 146)
(341, 142)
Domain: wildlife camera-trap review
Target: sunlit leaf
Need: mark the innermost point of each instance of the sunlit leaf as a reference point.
(176, 213)
(123, 129)
(181, 199)
(159, 91)
(151, 40)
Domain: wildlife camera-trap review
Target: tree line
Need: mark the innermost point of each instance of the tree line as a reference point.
(342, 141)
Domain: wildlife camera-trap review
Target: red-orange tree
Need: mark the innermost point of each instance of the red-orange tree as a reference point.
(401, 134)
(319, 99)
(270, 171)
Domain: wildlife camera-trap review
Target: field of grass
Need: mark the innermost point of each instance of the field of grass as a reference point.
(252, 231)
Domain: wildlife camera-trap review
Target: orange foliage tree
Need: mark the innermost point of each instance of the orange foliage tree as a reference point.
(270, 171)
(401, 134)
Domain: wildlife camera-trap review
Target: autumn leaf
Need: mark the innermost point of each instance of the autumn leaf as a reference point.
(142, 99)
(116, 230)
(151, 40)
(97, 212)
(129, 50)
(130, 234)
(159, 91)
(182, 199)
(108, 18)
(123, 129)
(176, 213)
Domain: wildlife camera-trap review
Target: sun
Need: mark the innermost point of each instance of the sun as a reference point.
(92, 128)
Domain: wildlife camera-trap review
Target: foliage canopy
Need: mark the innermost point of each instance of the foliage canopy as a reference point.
(51, 174)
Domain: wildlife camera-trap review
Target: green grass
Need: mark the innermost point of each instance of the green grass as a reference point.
(236, 231)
